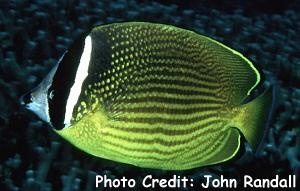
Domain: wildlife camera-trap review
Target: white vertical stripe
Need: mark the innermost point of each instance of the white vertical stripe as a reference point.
(81, 74)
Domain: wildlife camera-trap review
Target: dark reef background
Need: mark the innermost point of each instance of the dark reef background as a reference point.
(34, 34)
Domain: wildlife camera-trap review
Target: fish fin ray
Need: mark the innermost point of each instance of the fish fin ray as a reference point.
(229, 149)
(236, 73)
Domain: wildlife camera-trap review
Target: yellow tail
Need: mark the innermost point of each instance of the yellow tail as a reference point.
(254, 116)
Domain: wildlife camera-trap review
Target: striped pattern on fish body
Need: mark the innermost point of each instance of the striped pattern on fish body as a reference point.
(158, 96)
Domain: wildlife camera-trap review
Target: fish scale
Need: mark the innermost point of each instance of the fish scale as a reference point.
(158, 96)
(146, 54)
(160, 151)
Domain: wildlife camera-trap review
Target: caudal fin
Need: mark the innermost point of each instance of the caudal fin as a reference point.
(254, 117)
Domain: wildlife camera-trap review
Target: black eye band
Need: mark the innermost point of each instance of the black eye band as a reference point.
(63, 80)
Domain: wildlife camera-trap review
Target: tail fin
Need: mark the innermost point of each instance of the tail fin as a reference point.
(254, 117)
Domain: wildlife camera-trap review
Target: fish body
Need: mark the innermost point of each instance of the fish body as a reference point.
(153, 95)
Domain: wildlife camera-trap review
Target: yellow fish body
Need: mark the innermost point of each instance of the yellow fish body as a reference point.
(153, 95)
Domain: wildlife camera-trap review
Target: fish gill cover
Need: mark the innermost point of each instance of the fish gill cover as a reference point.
(34, 34)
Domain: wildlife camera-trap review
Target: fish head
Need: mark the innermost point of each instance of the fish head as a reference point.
(55, 98)
(37, 99)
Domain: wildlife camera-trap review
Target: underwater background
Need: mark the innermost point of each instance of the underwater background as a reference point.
(34, 34)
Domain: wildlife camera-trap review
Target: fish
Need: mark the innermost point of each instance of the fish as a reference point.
(154, 96)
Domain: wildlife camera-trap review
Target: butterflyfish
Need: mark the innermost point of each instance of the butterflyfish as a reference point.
(154, 96)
